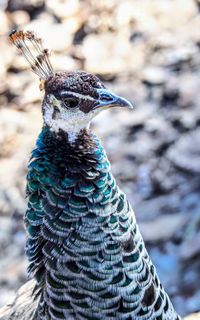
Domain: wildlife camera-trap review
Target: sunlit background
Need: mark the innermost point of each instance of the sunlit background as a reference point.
(148, 52)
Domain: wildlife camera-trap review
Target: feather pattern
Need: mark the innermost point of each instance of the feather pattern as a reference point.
(84, 246)
(32, 49)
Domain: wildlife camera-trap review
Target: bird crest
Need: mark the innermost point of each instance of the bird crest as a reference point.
(37, 56)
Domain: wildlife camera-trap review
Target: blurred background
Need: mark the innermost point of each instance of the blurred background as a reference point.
(148, 52)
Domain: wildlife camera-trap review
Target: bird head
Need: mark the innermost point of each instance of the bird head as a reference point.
(72, 99)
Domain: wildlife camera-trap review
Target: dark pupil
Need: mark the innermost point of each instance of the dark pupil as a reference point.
(71, 102)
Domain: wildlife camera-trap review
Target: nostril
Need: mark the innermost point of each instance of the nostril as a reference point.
(106, 97)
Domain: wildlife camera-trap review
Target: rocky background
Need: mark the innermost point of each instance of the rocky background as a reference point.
(149, 52)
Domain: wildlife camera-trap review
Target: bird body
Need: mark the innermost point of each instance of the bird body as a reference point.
(84, 246)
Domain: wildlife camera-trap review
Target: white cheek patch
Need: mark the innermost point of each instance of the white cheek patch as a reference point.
(70, 121)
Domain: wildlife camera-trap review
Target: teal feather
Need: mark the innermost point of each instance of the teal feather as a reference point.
(68, 182)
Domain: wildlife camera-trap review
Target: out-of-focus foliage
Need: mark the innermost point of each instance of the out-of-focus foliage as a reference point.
(149, 52)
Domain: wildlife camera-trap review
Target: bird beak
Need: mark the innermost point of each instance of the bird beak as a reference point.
(108, 100)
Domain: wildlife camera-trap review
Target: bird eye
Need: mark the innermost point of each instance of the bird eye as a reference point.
(71, 102)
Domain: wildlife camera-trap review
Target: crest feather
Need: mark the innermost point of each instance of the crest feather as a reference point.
(34, 52)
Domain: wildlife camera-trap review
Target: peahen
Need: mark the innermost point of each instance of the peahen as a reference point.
(84, 246)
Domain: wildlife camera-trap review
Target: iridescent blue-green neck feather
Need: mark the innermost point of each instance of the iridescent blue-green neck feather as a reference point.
(84, 246)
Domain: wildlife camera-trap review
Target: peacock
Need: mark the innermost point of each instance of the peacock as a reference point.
(84, 247)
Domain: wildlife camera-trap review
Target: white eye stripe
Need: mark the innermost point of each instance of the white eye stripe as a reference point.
(78, 95)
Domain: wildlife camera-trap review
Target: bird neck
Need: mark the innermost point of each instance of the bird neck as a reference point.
(63, 141)
(82, 158)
